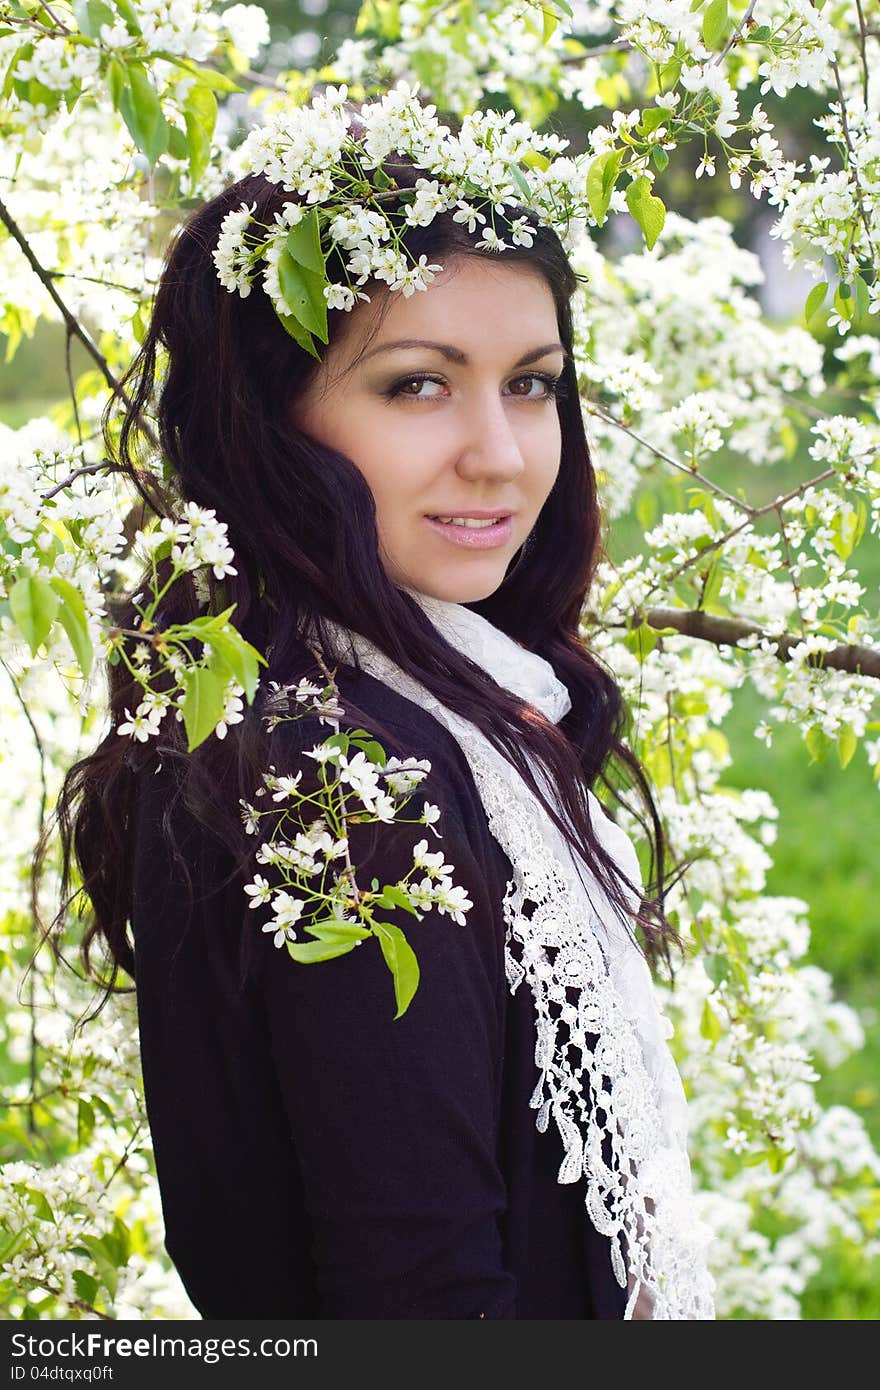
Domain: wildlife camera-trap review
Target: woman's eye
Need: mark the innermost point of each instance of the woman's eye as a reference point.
(547, 388)
(400, 389)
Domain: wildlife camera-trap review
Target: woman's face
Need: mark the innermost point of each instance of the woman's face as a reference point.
(462, 424)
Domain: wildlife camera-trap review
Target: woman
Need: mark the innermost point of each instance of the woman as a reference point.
(316, 1155)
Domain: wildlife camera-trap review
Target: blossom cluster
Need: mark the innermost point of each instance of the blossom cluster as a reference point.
(350, 788)
(493, 163)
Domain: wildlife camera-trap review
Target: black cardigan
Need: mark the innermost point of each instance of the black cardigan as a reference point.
(316, 1157)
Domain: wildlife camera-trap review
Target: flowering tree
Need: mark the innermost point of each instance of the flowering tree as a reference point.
(118, 114)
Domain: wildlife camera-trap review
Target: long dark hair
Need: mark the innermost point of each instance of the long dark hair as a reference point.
(219, 373)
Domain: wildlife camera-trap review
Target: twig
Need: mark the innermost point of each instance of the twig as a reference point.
(735, 36)
(74, 327)
(600, 51)
(41, 816)
(852, 177)
(350, 871)
(790, 567)
(106, 465)
(673, 463)
(863, 34)
(53, 16)
(93, 280)
(32, 1099)
(72, 386)
(754, 513)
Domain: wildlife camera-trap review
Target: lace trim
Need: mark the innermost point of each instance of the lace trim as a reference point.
(605, 1101)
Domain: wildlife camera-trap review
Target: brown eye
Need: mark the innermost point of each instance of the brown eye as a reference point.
(549, 385)
(399, 388)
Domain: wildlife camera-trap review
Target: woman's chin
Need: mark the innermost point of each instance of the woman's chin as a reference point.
(455, 588)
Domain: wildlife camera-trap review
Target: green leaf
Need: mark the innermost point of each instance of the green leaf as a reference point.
(127, 10)
(710, 1023)
(659, 158)
(646, 209)
(108, 1272)
(847, 743)
(202, 704)
(90, 15)
(304, 244)
(375, 752)
(12, 1245)
(717, 967)
(815, 300)
(204, 628)
(33, 604)
(652, 118)
(337, 929)
(342, 741)
(863, 295)
(86, 1285)
(844, 302)
(601, 178)
(40, 1204)
(299, 334)
(392, 896)
(817, 742)
(641, 641)
(777, 1157)
(117, 1242)
(712, 585)
(85, 1122)
(304, 291)
(207, 77)
(761, 34)
(141, 110)
(716, 21)
(72, 616)
(519, 178)
(307, 952)
(25, 51)
(239, 658)
(551, 24)
(178, 145)
(200, 115)
(401, 961)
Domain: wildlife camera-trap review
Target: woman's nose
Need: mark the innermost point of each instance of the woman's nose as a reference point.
(490, 446)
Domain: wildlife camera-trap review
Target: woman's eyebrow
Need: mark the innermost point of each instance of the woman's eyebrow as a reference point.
(455, 354)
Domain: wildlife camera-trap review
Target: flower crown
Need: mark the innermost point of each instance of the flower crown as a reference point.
(350, 200)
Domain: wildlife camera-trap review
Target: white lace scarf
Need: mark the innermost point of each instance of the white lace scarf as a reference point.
(606, 1075)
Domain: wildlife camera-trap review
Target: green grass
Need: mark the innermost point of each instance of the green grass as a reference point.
(15, 414)
(825, 853)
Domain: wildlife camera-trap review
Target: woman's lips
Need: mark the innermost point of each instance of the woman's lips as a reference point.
(475, 537)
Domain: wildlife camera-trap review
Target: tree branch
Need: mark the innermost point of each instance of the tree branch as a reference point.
(727, 632)
(74, 327)
(53, 16)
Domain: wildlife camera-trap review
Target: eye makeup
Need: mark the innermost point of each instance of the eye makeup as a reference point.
(554, 386)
